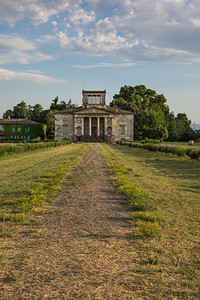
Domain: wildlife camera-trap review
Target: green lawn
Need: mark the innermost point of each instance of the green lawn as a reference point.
(183, 144)
(170, 266)
(20, 172)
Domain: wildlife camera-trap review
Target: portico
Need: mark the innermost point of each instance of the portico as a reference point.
(87, 126)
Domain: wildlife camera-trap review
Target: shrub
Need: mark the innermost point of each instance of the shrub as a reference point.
(175, 150)
(145, 216)
(149, 229)
(194, 154)
(29, 146)
(146, 140)
(136, 198)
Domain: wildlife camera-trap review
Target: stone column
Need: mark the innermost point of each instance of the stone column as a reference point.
(82, 128)
(112, 125)
(90, 126)
(74, 128)
(105, 126)
(98, 126)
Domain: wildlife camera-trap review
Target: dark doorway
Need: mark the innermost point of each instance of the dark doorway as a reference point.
(94, 127)
(102, 127)
(86, 126)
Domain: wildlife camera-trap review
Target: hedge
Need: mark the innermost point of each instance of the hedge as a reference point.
(24, 147)
(175, 150)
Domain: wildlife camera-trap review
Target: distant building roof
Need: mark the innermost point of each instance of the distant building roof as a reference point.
(17, 122)
(108, 109)
(93, 92)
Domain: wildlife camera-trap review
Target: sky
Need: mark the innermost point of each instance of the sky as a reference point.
(51, 48)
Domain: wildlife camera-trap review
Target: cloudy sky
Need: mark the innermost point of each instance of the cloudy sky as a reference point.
(52, 48)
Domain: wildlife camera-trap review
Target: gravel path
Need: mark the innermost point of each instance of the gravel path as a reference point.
(83, 249)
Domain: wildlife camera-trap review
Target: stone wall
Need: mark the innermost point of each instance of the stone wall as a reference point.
(62, 121)
(126, 121)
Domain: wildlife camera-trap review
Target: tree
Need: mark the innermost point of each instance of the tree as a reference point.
(20, 110)
(8, 114)
(55, 105)
(150, 109)
(172, 129)
(184, 131)
(50, 122)
(163, 133)
(37, 113)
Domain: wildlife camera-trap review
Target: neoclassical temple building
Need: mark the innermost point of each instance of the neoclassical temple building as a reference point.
(94, 121)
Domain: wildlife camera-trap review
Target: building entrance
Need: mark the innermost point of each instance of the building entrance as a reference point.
(94, 132)
(94, 129)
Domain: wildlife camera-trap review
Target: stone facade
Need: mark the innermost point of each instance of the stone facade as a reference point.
(94, 121)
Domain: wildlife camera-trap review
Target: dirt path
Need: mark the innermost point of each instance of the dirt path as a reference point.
(82, 250)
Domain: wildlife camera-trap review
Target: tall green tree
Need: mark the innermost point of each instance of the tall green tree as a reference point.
(55, 105)
(37, 113)
(172, 129)
(150, 109)
(50, 122)
(21, 110)
(184, 130)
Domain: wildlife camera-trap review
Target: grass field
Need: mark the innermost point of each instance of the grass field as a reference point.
(183, 144)
(169, 265)
(171, 262)
(21, 173)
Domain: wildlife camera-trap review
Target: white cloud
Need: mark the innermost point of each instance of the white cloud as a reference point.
(12, 42)
(9, 75)
(47, 38)
(105, 65)
(54, 23)
(38, 11)
(79, 16)
(165, 30)
(111, 44)
(96, 44)
(196, 21)
(14, 49)
(21, 57)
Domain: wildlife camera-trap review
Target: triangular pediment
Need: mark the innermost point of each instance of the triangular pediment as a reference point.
(92, 110)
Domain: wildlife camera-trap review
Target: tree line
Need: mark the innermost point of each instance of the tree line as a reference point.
(38, 114)
(153, 118)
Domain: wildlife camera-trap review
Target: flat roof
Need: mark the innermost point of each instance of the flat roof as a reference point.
(96, 92)
(17, 122)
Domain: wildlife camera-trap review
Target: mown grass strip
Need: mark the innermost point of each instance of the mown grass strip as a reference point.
(149, 225)
(47, 186)
(169, 264)
(174, 150)
(10, 149)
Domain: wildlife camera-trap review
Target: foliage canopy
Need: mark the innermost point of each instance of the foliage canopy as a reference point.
(153, 118)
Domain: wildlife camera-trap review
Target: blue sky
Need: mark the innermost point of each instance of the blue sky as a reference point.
(57, 48)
